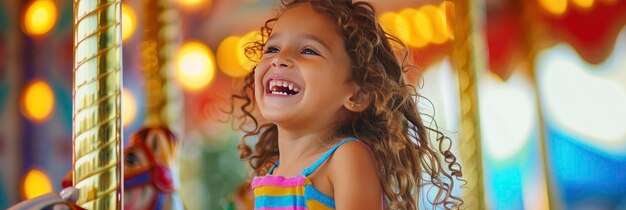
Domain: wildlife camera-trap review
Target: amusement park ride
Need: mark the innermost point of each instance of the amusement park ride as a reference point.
(139, 176)
(99, 179)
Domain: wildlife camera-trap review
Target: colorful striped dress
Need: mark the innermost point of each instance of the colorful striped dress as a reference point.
(275, 192)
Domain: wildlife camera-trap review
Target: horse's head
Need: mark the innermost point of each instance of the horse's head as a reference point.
(149, 148)
(148, 181)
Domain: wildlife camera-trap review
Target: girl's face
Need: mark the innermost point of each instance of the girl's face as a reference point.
(303, 75)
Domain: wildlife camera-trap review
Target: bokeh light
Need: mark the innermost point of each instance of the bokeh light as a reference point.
(129, 107)
(579, 100)
(500, 102)
(439, 23)
(36, 183)
(129, 21)
(231, 57)
(246, 40)
(227, 59)
(397, 26)
(419, 27)
(447, 7)
(37, 101)
(40, 17)
(556, 7)
(194, 4)
(195, 66)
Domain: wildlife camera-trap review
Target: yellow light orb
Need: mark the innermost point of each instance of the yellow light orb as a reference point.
(556, 7)
(129, 21)
(438, 21)
(247, 40)
(397, 26)
(40, 17)
(195, 66)
(419, 27)
(37, 101)
(585, 4)
(447, 7)
(36, 183)
(231, 56)
(227, 57)
(194, 4)
(129, 107)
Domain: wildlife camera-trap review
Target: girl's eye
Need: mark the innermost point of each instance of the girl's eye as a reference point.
(308, 51)
(271, 50)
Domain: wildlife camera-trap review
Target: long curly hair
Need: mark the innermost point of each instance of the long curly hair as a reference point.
(411, 155)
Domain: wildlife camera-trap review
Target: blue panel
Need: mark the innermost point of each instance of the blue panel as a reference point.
(584, 174)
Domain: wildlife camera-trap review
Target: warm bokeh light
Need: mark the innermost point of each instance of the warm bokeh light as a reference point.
(129, 21)
(556, 7)
(247, 40)
(36, 183)
(40, 17)
(37, 101)
(195, 66)
(129, 107)
(194, 4)
(585, 4)
(396, 25)
(227, 59)
(448, 10)
(419, 27)
(231, 57)
(439, 23)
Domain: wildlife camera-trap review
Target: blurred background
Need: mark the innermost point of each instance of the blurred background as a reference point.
(546, 93)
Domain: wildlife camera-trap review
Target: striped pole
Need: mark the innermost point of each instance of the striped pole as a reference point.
(97, 129)
(160, 41)
(463, 58)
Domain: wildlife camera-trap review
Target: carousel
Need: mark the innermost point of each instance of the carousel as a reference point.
(117, 104)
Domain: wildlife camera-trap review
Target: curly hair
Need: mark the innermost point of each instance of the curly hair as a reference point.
(391, 126)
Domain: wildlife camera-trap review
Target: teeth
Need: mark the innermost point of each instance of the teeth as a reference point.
(280, 93)
(290, 86)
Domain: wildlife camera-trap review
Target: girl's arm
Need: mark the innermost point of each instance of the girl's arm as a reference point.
(354, 178)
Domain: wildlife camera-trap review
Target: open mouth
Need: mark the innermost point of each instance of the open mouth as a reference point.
(282, 87)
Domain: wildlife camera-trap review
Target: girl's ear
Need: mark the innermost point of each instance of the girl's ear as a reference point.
(359, 101)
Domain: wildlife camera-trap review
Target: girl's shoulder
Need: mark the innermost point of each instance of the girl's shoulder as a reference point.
(353, 169)
(355, 155)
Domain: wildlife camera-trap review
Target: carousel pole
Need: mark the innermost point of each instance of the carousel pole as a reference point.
(160, 41)
(97, 128)
(465, 61)
(533, 43)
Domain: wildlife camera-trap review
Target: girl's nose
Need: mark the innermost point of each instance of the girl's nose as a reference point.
(281, 62)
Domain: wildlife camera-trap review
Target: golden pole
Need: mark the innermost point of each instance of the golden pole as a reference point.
(97, 130)
(463, 58)
(160, 42)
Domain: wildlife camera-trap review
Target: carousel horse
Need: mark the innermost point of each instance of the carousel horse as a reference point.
(148, 180)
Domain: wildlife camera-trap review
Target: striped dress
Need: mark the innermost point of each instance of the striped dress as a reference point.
(275, 192)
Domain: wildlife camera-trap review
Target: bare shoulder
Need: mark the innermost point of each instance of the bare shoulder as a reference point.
(354, 177)
(353, 153)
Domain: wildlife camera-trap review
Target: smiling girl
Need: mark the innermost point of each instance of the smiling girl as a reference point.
(340, 128)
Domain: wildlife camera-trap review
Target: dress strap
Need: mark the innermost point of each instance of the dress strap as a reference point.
(272, 168)
(308, 171)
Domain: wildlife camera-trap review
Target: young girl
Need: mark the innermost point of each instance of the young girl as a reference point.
(340, 127)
